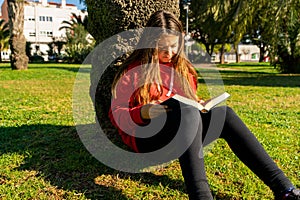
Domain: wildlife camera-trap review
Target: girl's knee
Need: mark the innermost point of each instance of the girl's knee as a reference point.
(229, 111)
(190, 114)
(224, 110)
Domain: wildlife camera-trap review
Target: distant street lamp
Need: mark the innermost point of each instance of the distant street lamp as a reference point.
(186, 4)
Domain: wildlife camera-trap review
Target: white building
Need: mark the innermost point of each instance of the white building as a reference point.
(247, 53)
(42, 20)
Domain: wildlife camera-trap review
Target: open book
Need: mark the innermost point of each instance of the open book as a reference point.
(203, 107)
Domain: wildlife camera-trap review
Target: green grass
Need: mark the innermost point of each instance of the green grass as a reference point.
(42, 157)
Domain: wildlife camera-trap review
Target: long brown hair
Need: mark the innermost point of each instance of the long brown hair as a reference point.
(165, 23)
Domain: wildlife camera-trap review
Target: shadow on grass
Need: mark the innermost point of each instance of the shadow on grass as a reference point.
(48, 66)
(59, 156)
(245, 64)
(70, 69)
(248, 78)
(57, 153)
(260, 79)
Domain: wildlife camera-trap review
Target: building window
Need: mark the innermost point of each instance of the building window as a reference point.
(253, 56)
(42, 18)
(32, 34)
(46, 18)
(49, 19)
(42, 33)
(46, 33)
(49, 33)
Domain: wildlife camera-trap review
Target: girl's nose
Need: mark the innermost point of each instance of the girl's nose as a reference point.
(169, 50)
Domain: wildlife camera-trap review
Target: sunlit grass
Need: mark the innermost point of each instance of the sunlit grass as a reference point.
(42, 157)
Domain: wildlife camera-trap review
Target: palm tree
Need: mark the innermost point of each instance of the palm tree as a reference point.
(75, 20)
(4, 37)
(19, 59)
(78, 41)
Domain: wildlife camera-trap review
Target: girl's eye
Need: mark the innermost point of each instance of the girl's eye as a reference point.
(167, 47)
(163, 48)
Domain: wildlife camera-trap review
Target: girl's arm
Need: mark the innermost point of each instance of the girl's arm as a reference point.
(121, 114)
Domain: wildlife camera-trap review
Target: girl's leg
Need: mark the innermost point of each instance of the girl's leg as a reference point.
(248, 149)
(192, 163)
(242, 142)
(240, 139)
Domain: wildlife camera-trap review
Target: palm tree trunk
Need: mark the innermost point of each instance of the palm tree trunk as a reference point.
(19, 59)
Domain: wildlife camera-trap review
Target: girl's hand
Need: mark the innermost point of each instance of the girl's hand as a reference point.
(201, 101)
(153, 110)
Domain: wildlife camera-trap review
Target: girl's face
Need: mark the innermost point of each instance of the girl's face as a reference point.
(167, 47)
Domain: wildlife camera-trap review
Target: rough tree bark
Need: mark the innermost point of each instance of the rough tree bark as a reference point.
(17, 41)
(107, 18)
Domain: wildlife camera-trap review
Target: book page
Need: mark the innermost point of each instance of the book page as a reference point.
(188, 101)
(209, 104)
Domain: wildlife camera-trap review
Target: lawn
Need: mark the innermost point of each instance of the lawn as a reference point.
(42, 156)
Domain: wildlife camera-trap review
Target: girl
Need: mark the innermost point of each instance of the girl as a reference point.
(141, 96)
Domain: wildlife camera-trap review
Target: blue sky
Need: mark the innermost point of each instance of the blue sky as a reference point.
(76, 2)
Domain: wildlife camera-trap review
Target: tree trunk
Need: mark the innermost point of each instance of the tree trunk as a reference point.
(237, 57)
(236, 51)
(107, 18)
(261, 53)
(1, 53)
(19, 59)
(222, 59)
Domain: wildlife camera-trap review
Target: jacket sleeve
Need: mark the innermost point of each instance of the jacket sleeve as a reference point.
(122, 115)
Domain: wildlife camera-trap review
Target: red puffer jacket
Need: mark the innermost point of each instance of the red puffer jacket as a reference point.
(124, 114)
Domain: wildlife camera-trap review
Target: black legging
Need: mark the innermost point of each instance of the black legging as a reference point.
(220, 122)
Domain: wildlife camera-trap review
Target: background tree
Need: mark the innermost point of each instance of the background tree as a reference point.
(285, 26)
(276, 31)
(105, 19)
(59, 43)
(19, 59)
(4, 37)
(75, 20)
(242, 18)
(28, 49)
(78, 41)
(206, 24)
(255, 36)
(220, 22)
(55, 48)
